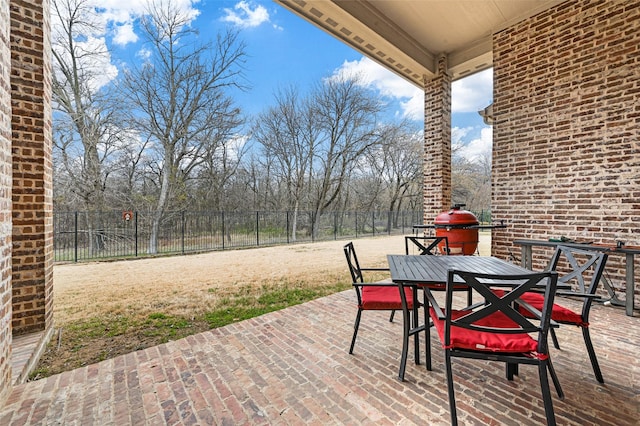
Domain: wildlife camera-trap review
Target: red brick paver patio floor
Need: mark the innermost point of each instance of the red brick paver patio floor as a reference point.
(292, 367)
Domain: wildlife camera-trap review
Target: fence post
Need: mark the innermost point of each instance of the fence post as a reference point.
(335, 225)
(257, 228)
(288, 227)
(182, 225)
(135, 232)
(223, 230)
(75, 237)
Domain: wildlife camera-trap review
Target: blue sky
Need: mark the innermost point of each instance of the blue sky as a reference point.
(285, 50)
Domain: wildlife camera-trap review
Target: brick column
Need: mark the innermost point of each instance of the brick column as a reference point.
(32, 170)
(5, 204)
(437, 143)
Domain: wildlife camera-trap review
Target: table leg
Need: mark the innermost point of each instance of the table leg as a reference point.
(526, 254)
(427, 329)
(415, 330)
(629, 278)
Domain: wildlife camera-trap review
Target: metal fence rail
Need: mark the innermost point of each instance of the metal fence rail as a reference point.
(83, 236)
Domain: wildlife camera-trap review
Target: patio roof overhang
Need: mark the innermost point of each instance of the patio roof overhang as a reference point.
(408, 37)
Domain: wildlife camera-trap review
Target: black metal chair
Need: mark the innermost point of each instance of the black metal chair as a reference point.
(424, 245)
(431, 246)
(374, 296)
(496, 330)
(582, 269)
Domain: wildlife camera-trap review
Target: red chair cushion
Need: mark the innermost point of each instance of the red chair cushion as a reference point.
(443, 287)
(462, 338)
(384, 297)
(558, 314)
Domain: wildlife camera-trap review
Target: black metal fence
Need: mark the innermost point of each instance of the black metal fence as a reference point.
(82, 236)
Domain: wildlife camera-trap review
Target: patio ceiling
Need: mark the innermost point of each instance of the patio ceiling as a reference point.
(408, 37)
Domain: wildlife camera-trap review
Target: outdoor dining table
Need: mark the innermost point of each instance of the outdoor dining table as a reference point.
(413, 270)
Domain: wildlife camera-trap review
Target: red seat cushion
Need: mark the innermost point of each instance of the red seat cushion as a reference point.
(559, 313)
(443, 287)
(462, 338)
(384, 297)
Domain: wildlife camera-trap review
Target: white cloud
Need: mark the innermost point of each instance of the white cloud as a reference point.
(124, 34)
(118, 16)
(469, 94)
(472, 93)
(143, 54)
(476, 149)
(112, 19)
(458, 134)
(390, 85)
(246, 15)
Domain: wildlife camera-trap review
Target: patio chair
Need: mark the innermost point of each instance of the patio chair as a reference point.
(372, 296)
(496, 330)
(431, 246)
(582, 269)
(424, 245)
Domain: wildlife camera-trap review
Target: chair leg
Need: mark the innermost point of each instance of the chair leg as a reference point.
(469, 298)
(427, 331)
(554, 377)
(393, 313)
(511, 370)
(592, 354)
(546, 394)
(406, 326)
(554, 338)
(416, 333)
(450, 389)
(355, 330)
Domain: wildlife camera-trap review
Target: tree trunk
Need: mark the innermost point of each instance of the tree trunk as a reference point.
(158, 213)
(294, 222)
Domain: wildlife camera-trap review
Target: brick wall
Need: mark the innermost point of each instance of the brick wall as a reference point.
(566, 158)
(32, 257)
(437, 134)
(5, 204)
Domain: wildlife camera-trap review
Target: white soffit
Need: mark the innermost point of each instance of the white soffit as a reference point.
(408, 36)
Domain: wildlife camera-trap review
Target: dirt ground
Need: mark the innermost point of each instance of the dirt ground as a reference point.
(182, 284)
(105, 309)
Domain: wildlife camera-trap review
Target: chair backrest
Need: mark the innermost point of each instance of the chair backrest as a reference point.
(352, 262)
(582, 269)
(499, 314)
(425, 245)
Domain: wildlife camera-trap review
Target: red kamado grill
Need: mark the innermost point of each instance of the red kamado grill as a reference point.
(461, 229)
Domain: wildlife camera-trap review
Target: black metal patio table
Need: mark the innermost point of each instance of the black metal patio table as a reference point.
(413, 270)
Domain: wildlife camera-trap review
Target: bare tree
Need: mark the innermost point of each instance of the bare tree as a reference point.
(288, 135)
(397, 164)
(311, 144)
(471, 180)
(346, 114)
(179, 99)
(217, 175)
(86, 138)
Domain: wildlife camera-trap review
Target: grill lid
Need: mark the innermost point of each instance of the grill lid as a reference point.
(456, 218)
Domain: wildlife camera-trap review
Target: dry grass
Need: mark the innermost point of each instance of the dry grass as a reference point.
(109, 308)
